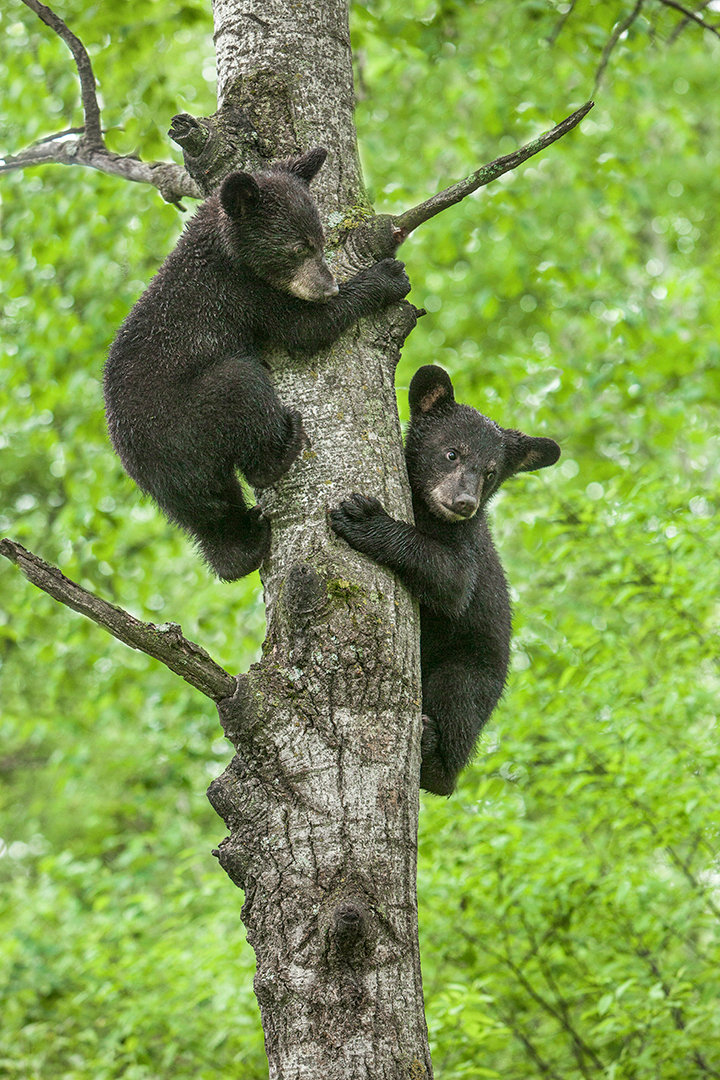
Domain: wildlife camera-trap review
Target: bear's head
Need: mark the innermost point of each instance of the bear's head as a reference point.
(457, 458)
(272, 226)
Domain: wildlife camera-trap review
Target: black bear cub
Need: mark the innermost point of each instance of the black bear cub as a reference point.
(188, 398)
(456, 461)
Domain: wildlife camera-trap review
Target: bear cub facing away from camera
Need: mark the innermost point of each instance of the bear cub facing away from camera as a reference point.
(456, 461)
(188, 398)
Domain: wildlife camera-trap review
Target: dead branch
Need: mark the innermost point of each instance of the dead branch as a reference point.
(171, 180)
(86, 146)
(165, 642)
(404, 224)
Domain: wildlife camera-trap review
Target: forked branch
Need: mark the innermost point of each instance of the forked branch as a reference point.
(170, 179)
(404, 223)
(165, 643)
(86, 145)
(686, 19)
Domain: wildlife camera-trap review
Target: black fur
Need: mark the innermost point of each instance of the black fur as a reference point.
(188, 399)
(456, 460)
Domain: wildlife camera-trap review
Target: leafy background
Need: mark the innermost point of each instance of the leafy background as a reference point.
(568, 892)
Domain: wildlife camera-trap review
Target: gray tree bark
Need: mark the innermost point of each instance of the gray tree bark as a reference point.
(322, 797)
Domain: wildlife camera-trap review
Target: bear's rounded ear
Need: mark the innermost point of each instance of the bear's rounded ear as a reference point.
(430, 389)
(527, 453)
(239, 192)
(308, 164)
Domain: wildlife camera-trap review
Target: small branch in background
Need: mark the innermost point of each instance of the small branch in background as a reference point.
(619, 29)
(691, 15)
(560, 23)
(86, 145)
(404, 223)
(682, 25)
(165, 643)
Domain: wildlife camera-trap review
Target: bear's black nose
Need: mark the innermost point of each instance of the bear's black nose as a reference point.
(465, 506)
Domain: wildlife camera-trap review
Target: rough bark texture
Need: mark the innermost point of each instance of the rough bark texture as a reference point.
(305, 48)
(322, 798)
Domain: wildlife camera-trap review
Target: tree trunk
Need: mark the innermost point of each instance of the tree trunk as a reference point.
(321, 799)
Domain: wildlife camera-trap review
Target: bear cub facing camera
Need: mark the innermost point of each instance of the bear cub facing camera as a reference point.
(456, 461)
(188, 399)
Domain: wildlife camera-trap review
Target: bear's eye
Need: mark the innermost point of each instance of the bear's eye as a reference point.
(490, 474)
(451, 455)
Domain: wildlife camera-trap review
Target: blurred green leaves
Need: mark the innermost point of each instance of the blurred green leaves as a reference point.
(568, 892)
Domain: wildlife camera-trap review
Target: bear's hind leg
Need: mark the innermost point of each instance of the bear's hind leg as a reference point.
(276, 465)
(243, 421)
(458, 697)
(235, 543)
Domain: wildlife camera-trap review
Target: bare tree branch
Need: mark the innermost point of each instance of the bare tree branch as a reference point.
(618, 31)
(404, 224)
(59, 135)
(165, 643)
(93, 134)
(86, 146)
(689, 14)
(171, 180)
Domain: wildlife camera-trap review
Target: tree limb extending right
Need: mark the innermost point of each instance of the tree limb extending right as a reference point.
(403, 224)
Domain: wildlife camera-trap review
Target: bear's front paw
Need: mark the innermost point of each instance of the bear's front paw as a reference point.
(354, 518)
(360, 507)
(396, 284)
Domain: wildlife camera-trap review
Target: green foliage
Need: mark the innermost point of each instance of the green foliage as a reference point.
(568, 892)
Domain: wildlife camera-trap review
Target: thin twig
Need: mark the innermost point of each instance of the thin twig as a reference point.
(59, 135)
(560, 23)
(552, 1007)
(676, 1011)
(619, 29)
(165, 643)
(689, 14)
(91, 109)
(404, 224)
(683, 22)
(511, 1022)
